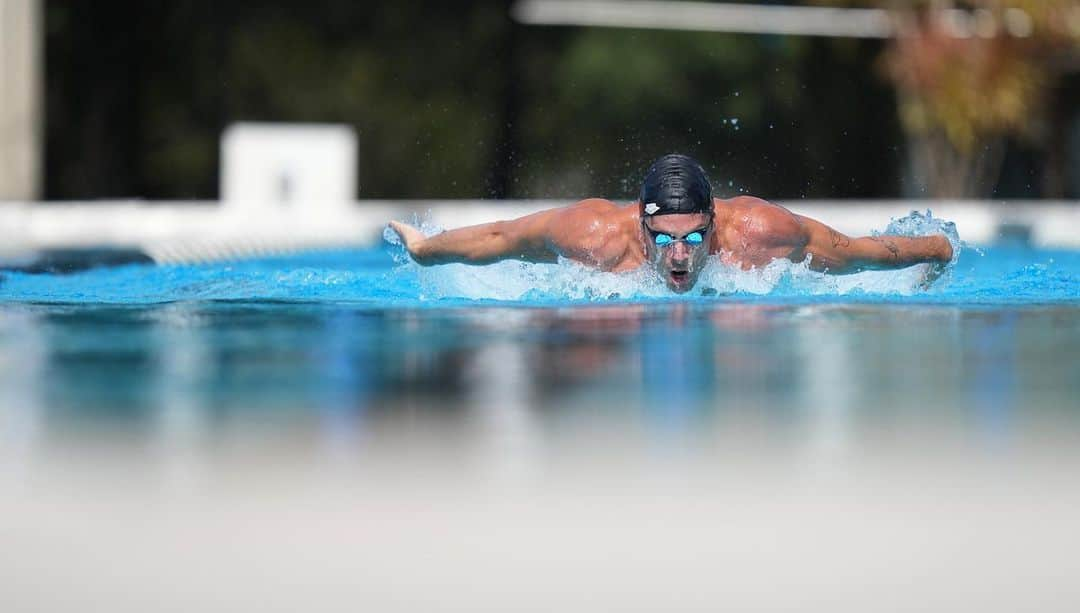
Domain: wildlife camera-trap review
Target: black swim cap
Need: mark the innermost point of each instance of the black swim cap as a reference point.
(675, 184)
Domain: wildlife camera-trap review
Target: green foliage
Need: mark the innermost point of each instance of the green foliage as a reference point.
(446, 97)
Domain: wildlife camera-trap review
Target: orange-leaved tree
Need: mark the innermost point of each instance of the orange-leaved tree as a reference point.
(971, 74)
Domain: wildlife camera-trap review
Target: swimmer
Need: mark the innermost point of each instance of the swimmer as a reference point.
(674, 227)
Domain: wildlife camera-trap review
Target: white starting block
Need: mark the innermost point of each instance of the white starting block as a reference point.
(268, 167)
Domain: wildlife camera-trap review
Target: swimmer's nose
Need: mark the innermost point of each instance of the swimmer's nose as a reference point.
(680, 252)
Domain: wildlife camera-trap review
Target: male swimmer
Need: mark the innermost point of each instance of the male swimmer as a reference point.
(673, 228)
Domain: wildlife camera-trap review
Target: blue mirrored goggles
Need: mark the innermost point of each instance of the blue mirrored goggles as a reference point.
(693, 239)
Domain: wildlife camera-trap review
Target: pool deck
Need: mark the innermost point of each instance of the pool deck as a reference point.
(194, 231)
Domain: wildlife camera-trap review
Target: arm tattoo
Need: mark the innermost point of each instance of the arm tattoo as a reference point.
(888, 244)
(838, 240)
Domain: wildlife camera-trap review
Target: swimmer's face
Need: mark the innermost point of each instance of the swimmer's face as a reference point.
(677, 246)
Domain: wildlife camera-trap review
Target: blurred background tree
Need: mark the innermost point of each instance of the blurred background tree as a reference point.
(455, 100)
(971, 75)
(458, 101)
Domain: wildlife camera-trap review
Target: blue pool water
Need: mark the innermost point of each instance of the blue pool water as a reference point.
(351, 330)
(377, 277)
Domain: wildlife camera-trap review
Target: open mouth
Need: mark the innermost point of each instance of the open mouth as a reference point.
(680, 276)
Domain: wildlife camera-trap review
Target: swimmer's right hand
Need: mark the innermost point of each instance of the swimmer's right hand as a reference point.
(411, 237)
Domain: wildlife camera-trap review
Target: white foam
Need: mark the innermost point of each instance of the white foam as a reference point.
(510, 280)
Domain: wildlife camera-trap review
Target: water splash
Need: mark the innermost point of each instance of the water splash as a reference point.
(391, 237)
(568, 280)
(524, 281)
(385, 277)
(792, 279)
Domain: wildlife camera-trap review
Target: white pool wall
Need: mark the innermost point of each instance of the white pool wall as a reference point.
(176, 231)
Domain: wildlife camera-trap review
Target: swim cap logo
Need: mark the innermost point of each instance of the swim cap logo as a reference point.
(651, 208)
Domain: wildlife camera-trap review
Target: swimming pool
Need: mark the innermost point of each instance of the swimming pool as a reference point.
(351, 328)
(470, 428)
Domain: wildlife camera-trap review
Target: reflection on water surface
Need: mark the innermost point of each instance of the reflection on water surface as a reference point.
(672, 364)
(338, 457)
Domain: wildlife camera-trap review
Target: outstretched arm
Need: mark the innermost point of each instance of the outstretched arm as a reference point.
(540, 237)
(523, 239)
(836, 253)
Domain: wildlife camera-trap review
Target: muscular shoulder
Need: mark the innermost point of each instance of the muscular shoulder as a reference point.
(587, 215)
(564, 221)
(766, 223)
(594, 231)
